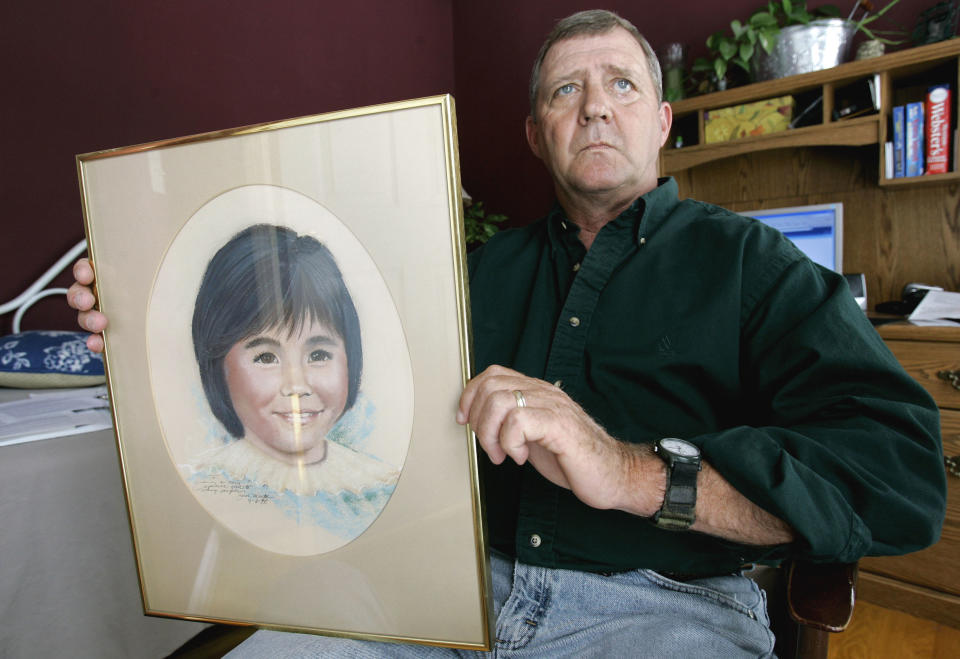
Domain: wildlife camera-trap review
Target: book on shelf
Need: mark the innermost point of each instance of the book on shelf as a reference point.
(914, 145)
(899, 136)
(938, 129)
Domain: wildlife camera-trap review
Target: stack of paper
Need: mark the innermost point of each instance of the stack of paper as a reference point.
(46, 415)
(937, 308)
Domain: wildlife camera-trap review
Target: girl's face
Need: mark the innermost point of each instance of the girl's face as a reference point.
(289, 390)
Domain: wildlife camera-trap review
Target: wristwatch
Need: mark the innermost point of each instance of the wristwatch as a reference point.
(680, 499)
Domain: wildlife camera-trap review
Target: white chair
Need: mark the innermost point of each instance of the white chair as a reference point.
(36, 290)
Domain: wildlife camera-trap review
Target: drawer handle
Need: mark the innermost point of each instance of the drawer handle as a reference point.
(953, 464)
(953, 377)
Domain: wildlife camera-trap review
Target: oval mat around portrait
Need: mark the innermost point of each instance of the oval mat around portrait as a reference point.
(305, 511)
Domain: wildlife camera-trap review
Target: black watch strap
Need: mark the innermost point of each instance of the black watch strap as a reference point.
(680, 500)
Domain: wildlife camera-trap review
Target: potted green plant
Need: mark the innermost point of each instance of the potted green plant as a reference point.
(820, 43)
(750, 49)
(738, 46)
(479, 226)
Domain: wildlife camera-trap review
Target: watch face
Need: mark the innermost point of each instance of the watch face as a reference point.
(680, 447)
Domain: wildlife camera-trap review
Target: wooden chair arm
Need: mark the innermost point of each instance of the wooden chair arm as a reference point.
(821, 595)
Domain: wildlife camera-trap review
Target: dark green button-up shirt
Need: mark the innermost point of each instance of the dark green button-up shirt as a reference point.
(686, 320)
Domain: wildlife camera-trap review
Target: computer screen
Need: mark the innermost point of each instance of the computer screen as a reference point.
(817, 230)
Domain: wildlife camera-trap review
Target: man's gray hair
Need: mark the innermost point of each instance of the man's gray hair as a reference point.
(592, 22)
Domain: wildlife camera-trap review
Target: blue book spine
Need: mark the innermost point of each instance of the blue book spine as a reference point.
(914, 139)
(898, 141)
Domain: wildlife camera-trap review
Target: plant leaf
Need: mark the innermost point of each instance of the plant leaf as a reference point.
(720, 68)
(702, 64)
(763, 19)
(727, 48)
(768, 39)
(713, 41)
(741, 63)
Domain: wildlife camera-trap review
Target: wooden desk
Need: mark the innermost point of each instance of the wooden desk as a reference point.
(926, 583)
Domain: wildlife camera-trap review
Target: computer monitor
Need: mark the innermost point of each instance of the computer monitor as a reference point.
(817, 230)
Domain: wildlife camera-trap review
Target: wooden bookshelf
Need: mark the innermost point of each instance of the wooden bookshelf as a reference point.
(898, 75)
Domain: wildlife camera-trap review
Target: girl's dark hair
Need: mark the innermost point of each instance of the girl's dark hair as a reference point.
(267, 276)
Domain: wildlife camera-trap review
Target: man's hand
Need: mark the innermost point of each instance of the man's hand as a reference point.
(561, 441)
(571, 450)
(80, 296)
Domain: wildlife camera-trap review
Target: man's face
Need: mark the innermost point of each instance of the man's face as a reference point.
(599, 126)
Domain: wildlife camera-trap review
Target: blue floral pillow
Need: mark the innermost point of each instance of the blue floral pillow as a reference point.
(40, 360)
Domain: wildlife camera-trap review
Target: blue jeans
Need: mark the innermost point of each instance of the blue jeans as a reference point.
(547, 613)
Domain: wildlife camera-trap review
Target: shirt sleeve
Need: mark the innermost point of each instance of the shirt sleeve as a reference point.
(843, 444)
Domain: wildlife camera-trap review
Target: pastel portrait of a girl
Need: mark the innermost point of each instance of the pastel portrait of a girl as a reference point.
(277, 340)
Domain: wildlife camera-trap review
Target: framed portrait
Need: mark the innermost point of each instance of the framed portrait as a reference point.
(288, 340)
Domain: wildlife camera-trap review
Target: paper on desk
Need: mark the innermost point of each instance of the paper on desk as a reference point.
(938, 306)
(42, 416)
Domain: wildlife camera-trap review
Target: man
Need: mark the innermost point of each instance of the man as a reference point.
(626, 317)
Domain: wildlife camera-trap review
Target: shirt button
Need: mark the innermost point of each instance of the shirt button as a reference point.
(574, 321)
(535, 540)
(576, 267)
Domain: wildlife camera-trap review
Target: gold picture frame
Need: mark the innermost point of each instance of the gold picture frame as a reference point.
(356, 512)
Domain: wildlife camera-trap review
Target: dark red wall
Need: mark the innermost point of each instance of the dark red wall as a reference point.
(85, 76)
(97, 74)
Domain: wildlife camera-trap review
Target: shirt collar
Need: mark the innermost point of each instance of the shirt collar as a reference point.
(646, 213)
(657, 206)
